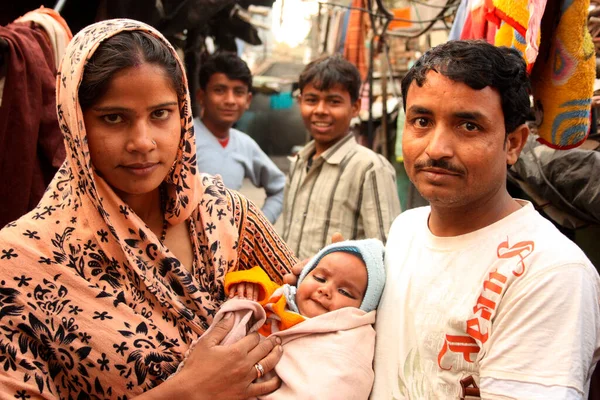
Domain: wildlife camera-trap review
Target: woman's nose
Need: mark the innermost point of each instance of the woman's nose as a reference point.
(140, 139)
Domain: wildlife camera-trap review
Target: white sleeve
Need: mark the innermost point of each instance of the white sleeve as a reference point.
(501, 389)
(545, 336)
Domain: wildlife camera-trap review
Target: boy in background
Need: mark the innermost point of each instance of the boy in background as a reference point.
(224, 95)
(335, 184)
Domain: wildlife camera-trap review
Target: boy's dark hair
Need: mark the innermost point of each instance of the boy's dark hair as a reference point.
(327, 71)
(478, 64)
(226, 63)
(126, 49)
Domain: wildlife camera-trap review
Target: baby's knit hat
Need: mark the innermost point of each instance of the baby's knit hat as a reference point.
(371, 252)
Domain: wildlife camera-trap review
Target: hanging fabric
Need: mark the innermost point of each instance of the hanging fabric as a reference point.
(563, 77)
(355, 50)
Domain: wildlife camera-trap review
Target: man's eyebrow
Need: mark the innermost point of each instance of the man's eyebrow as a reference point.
(472, 115)
(419, 110)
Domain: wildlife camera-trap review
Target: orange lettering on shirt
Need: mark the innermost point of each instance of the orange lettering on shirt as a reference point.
(484, 305)
(458, 344)
(521, 249)
(474, 330)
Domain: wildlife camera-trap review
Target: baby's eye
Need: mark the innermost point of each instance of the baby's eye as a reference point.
(344, 292)
(112, 118)
(160, 114)
(318, 278)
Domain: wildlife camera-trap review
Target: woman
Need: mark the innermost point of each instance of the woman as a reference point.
(120, 267)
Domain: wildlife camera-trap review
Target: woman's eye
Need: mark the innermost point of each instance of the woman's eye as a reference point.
(112, 118)
(160, 114)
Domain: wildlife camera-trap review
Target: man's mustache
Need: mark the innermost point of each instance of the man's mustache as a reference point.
(441, 164)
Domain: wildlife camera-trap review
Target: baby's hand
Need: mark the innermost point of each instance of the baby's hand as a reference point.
(244, 290)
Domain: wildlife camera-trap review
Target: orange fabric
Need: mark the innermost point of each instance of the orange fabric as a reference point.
(91, 302)
(279, 318)
(354, 49)
(54, 14)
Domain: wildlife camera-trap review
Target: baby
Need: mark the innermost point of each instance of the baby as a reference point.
(343, 274)
(325, 323)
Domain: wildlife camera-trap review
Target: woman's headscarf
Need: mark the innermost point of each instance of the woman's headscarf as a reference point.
(92, 301)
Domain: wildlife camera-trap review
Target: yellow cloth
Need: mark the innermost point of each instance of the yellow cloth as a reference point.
(271, 297)
(563, 82)
(514, 15)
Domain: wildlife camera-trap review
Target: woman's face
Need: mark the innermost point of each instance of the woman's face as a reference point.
(134, 130)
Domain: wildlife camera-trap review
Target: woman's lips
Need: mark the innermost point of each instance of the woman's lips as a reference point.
(141, 169)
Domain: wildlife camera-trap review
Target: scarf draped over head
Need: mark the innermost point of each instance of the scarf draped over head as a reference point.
(91, 302)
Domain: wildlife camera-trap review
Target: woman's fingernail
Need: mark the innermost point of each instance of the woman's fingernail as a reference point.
(278, 340)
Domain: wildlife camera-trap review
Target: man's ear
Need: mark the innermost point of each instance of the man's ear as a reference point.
(356, 107)
(199, 96)
(515, 141)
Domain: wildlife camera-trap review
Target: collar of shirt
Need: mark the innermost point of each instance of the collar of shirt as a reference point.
(333, 155)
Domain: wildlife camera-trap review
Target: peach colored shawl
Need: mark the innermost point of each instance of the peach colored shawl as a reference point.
(91, 303)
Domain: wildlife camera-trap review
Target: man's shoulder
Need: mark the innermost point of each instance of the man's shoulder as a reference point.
(553, 244)
(365, 156)
(417, 213)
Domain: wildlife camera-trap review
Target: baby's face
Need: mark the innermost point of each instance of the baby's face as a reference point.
(338, 281)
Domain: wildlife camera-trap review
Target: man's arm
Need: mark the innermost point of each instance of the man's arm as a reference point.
(266, 174)
(380, 203)
(544, 339)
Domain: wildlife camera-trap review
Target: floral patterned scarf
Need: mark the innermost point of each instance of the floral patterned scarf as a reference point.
(91, 303)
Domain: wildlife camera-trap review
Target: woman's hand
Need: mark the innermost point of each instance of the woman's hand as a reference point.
(215, 372)
(292, 278)
(245, 290)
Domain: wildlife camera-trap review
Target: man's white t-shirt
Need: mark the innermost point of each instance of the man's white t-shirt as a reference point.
(511, 310)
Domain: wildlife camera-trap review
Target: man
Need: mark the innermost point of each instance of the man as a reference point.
(334, 184)
(224, 95)
(483, 296)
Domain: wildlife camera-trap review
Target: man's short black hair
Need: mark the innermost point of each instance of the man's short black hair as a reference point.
(226, 63)
(478, 64)
(327, 71)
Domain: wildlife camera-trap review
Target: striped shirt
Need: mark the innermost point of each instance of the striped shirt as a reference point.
(348, 189)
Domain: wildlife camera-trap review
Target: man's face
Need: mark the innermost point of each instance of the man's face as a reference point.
(327, 113)
(224, 100)
(454, 144)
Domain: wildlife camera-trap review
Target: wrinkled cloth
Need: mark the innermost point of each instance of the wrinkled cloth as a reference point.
(568, 179)
(355, 50)
(30, 138)
(92, 304)
(325, 357)
(56, 29)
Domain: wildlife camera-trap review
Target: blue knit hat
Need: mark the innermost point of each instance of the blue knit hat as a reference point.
(368, 250)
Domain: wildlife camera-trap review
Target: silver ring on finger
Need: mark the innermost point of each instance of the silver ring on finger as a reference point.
(260, 370)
